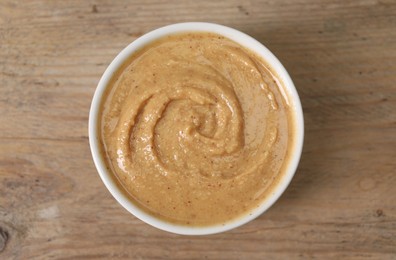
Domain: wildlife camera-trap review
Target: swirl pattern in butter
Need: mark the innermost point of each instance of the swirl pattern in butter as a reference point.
(196, 129)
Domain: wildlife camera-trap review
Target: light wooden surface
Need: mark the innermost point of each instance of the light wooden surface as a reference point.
(342, 201)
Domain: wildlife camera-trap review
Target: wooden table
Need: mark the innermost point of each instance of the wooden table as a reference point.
(342, 201)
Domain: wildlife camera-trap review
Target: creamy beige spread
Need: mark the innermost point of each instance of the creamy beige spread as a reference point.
(196, 129)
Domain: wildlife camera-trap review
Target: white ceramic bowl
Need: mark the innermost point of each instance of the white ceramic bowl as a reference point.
(243, 40)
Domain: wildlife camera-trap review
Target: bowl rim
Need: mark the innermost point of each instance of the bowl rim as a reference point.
(242, 39)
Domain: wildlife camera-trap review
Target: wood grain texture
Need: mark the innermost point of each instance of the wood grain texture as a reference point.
(341, 204)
